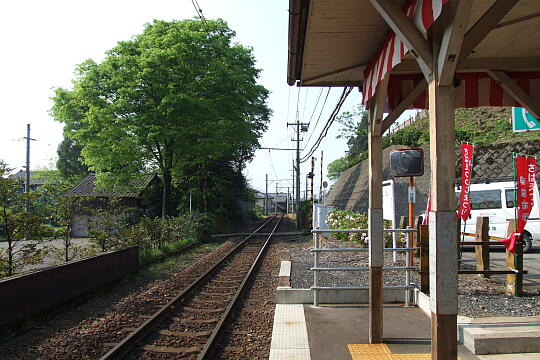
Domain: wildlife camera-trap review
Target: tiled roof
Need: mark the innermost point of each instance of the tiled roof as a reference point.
(36, 177)
(87, 187)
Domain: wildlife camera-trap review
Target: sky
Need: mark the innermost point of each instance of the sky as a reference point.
(43, 41)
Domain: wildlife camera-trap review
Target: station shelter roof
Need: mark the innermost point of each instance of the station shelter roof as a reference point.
(339, 42)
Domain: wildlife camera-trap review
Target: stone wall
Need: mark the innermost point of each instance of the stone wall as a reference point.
(350, 192)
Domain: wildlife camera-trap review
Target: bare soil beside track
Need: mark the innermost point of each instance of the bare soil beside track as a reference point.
(80, 331)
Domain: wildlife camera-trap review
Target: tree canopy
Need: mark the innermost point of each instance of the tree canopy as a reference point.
(355, 130)
(173, 99)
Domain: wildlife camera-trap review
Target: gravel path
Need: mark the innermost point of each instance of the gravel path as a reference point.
(477, 296)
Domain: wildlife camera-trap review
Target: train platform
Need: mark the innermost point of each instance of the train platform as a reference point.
(340, 332)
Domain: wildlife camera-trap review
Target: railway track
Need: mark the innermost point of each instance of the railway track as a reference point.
(190, 324)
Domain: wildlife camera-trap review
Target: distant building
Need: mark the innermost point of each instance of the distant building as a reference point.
(129, 196)
(37, 178)
(275, 201)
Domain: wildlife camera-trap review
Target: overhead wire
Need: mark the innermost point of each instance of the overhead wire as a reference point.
(331, 119)
(305, 102)
(316, 104)
(319, 118)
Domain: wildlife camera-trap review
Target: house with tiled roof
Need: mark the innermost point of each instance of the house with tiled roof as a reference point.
(132, 195)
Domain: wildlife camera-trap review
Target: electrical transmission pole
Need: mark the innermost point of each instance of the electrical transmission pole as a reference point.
(275, 199)
(299, 127)
(266, 197)
(27, 181)
(321, 188)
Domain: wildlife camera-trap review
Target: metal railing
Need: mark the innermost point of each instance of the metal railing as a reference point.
(317, 250)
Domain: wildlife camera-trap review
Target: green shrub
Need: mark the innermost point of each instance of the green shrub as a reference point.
(150, 255)
(343, 219)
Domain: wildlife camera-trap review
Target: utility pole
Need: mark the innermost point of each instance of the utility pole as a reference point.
(275, 199)
(293, 188)
(321, 188)
(312, 176)
(266, 197)
(306, 193)
(27, 182)
(287, 199)
(299, 127)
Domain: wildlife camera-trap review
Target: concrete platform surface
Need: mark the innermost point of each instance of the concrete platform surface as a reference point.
(304, 332)
(500, 335)
(331, 328)
(522, 356)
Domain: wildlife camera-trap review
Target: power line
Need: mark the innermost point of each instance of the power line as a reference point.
(305, 102)
(199, 12)
(316, 104)
(331, 119)
(319, 118)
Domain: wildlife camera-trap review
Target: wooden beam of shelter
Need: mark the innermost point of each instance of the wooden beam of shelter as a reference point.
(518, 20)
(484, 25)
(408, 33)
(452, 40)
(338, 71)
(404, 104)
(375, 213)
(516, 92)
(409, 66)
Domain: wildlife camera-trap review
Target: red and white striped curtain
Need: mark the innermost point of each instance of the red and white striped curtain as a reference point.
(423, 13)
(476, 89)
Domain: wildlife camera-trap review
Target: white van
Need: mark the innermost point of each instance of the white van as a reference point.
(496, 201)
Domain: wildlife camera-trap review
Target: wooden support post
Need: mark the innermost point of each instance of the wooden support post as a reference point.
(403, 222)
(375, 214)
(482, 251)
(514, 282)
(443, 254)
(423, 241)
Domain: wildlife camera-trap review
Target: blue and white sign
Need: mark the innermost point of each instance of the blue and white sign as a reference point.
(523, 121)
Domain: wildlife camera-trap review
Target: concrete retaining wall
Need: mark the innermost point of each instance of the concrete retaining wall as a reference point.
(28, 294)
(350, 192)
(287, 295)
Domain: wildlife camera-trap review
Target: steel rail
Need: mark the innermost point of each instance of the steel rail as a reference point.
(129, 342)
(209, 347)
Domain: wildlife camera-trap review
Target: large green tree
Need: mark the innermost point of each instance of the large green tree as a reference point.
(179, 93)
(69, 161)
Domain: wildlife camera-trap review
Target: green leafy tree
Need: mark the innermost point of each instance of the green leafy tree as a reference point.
(64, 212)
(355, 130)
(336, 167)
(181, 93)
(69, 161)
(21, 225)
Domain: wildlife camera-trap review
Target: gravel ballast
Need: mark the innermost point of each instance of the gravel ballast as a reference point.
(477, 296)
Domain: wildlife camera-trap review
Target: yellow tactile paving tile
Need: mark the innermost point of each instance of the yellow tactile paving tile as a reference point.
(369, 352)
(381, 352)
(411, 356)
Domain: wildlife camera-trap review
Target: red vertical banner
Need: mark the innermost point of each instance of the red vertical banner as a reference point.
(525, 172)
(466, 175)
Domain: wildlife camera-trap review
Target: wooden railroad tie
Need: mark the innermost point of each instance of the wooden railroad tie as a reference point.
(191, 309)
(172, 350)
(185, 333)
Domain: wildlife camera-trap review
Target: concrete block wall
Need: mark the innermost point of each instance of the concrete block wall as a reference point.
(31, 293)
